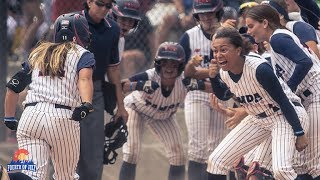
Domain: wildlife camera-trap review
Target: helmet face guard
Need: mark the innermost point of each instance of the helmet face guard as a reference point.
(170, 51)
(207, 6)
(127, 9)
(69, 26)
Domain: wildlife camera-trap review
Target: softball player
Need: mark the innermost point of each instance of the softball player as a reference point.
(126, 14)
(60, 96)
(164, 91)
(304, 31)
(296, 65)
(274, 111)
(205, 126)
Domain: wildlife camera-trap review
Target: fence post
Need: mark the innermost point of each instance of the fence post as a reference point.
(3, 62)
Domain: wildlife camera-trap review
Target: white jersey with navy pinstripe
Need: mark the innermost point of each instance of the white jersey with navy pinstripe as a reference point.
(250, 92)
(284, 67)
(156, 105)
(199, 44)
(290, 26)
(56, 90)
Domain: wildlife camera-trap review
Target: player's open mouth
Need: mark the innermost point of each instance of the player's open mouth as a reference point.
(222, 63)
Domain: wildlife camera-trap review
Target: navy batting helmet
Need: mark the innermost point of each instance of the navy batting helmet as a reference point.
(171, 51)
(128, 9)
(72, 25)
(206, 6)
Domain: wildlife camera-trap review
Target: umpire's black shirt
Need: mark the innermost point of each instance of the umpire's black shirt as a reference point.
(104, 44)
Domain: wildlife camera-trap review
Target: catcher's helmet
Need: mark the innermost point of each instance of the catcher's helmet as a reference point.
(72, 25)
(128, 9)
(205, 6)
(171, 51)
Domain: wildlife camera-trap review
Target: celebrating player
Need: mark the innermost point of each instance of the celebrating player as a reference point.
(297, 66)
(60, 95)
(304, 31)
(126, 14)
(163, 91)
(205, 126)
(274, 111)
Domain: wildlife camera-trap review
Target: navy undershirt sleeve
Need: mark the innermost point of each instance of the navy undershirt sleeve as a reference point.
(86, 61)
(271, 84)
(305, 32)
(283, 44)
(185, 43)
(220, 88)
(139, 77)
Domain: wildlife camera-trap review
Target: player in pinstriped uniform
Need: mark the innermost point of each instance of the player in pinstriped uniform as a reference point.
(126, 14)
(304, 31)
(60, 95)
(157, 110)
(297, 66)
(205, 126)
(274, 111)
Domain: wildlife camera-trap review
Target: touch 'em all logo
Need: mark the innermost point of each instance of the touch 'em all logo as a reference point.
(20, 161)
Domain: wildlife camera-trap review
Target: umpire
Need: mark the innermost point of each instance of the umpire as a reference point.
(104, 46)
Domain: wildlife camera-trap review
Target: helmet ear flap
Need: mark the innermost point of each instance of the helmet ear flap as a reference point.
(157, 65)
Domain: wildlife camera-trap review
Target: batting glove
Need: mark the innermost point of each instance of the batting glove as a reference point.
(193, 84)
(147, 86)
(82, 111)
(11, 122)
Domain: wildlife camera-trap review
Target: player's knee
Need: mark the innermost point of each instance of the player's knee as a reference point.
(217, 165)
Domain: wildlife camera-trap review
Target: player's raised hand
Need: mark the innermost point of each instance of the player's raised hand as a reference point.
(213, 68)
(193, 84)
(301, 142)
(196, 60)
(82, 111)
(229, 23)
(147, 86)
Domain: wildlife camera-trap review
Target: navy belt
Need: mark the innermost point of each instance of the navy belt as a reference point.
(55, 105)
(264, 115)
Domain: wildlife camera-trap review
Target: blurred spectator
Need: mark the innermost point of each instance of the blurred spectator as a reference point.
(139, 45)
(34, 27)
(232, 3)
(65, 6)
(177, 22)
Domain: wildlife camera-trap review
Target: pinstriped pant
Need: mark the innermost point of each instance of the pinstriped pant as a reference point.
(307, 161)
(166, 130)
(45, 135)
(206, 129)
(252, 132)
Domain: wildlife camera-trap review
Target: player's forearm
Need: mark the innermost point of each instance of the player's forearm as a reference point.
(85, 85)
(113, 73)
(128, 86)
(10, 103)
(191, 71)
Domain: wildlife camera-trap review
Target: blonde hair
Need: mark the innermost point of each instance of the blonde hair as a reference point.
(50, 58)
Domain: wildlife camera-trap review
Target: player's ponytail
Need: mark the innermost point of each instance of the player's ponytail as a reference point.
(50, 58)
